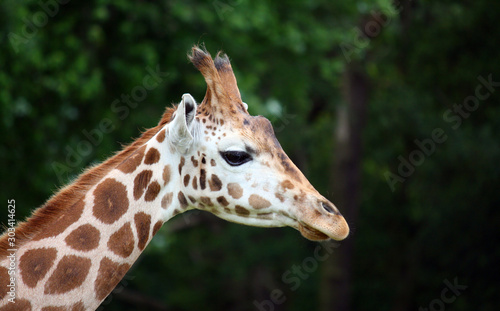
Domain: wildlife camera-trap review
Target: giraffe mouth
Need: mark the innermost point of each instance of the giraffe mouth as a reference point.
(320, 229)
(311, 233)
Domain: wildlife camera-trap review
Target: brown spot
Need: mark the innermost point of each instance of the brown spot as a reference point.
(182, 200)
(215, 183)
(287, 184)
(157, 227)
(206, 201)
(166, 200)
(176, 212)
(181, 164)
(108, 276)
(203, 161)
(279, 196)
(186, 180)
(54, 308)
(212, 162)
(258, 202)
(195, 183)
(240, 210)
(141, 181)
(63, 222)
(192, 199)
(152, 156)
(19, 305)
(79, 306)
(195, 162)
(161, 136)
(152, 192)
(203, 178)
(35, 263)
(84, 238)
(69, 274)
(4, 280)
(235, 190)
(166, 175)
(130, 164)
(142, 225)
(222, 201)
(122, 241)
(110, 201)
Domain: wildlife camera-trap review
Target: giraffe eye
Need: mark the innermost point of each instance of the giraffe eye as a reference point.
(236, 158)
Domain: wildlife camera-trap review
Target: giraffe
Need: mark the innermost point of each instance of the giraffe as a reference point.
(72, 252)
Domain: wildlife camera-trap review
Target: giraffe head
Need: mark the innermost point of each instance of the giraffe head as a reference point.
(232, 165)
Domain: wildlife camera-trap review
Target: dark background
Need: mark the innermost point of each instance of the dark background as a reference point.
(381, 104)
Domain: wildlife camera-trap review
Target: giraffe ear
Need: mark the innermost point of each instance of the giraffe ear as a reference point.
(181, 127)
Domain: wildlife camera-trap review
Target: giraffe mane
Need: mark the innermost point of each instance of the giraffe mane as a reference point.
(70, 194)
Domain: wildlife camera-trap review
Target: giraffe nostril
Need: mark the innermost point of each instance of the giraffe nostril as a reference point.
(328, 208)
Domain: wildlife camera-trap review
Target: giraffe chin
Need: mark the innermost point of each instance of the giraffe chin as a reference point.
(311, 233)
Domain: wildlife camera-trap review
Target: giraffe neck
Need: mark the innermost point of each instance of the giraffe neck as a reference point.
(79, 258)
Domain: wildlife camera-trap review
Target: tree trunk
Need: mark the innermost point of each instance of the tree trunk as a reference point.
(336, 283)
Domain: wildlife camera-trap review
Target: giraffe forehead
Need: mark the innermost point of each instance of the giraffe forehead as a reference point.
(260, 131)
(257, 131)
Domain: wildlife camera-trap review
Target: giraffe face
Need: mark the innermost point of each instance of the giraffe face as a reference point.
(232, 165)
(236, 169)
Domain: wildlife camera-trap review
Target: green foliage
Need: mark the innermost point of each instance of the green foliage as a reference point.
(62, 79)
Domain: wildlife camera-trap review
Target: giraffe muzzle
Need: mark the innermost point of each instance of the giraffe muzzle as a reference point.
(322, 223)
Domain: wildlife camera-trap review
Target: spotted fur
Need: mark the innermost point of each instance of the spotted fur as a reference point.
(75, 249)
